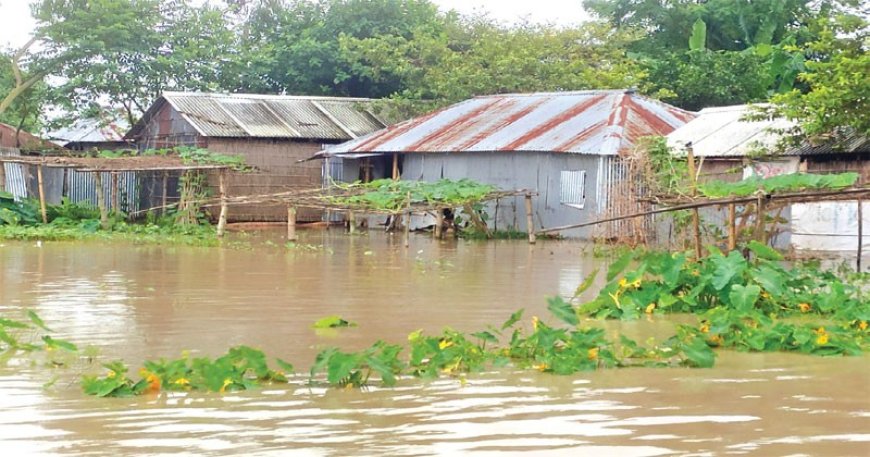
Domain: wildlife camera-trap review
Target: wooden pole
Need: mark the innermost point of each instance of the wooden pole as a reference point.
(165, 196)
(407, 229)
(116, 206)
(759, 219)
(291, 224)
(732, 227)
(530, 221)
(222, 188)
(101, 200)
(696, 216)
(860, 234)
(351, 222)
(395, 166)
(41, 194)
(439, 223)
(2, 177)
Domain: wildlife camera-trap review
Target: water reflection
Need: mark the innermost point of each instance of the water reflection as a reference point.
(136, 302)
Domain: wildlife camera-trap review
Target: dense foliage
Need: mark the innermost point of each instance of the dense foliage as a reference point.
(391, 195)
(792, 182)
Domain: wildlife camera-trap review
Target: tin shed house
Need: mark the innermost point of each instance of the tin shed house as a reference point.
(566, 146)
(730, 147)
(272, 132)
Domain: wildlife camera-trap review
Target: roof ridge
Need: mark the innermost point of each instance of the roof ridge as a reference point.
(264, 96)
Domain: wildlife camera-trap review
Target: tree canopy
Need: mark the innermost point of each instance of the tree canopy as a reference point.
(809, 55)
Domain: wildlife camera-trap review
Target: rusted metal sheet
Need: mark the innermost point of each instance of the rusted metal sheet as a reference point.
(585, 122)
(267, 116)
(725, 132)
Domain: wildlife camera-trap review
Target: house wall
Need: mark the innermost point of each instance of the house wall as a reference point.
(276, 161)
(279, 170)
(841, 163)
(535, 171)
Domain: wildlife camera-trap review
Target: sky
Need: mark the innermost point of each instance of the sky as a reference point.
(16, 24)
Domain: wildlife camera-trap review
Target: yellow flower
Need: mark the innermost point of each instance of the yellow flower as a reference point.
(862, 325)
(535, 321)
(182, 382)
(623, 283)
(716, 339)
(592, 354)
(650, 308)
(540, 367)
(635, 283)
(696, 273)
(822, 338)
(705, 327)
(764, 294)
(805, 307)
(444, 344)
(227, 382)
(111, 374)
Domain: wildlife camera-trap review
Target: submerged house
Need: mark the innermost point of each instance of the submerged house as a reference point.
(273, 133)
(730, 147)
(566, 146)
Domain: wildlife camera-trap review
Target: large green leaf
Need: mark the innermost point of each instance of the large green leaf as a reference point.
(562, 310)
(764, 251)
(727, 268)
(619, 265)
(743, 298)
(698, 40)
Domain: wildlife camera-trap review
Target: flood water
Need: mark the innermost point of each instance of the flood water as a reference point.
(137, 302)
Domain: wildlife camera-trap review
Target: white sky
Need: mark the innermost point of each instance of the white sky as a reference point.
(16, 24)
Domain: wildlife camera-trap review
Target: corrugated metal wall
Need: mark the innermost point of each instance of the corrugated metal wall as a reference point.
(536, 171)
(16, 175)
(81, 187)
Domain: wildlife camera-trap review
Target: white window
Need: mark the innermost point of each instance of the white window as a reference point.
(572, 190)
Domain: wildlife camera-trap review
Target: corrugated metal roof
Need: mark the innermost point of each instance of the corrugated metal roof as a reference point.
(848, 142)
(269, 116)
(723, 132)
(584, 122)
(91, 130)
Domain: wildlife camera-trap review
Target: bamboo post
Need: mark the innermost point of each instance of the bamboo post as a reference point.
(860, 234)
(395, 166)
(351, 222)
(530, 221)
(164, 198)
(116, 206)
(2, 176)
(732, 227)
(696, 216)
(407, 228)
(759, 218)
(222, 188)
(291, 224)
(41, 194)
(101, 200)
(439, 223)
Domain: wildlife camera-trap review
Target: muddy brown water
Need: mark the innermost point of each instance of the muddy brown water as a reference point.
(136, 302)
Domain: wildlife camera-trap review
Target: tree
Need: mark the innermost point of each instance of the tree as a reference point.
(837, 100)
(24, 109)
(750, 50)
(126, 52)
(293, 46)
(478, 57)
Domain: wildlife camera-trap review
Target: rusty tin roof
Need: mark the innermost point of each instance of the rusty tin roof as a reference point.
(268, 116)
(605, 122)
